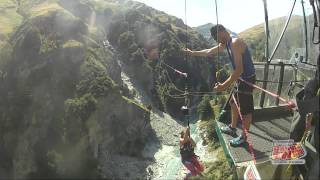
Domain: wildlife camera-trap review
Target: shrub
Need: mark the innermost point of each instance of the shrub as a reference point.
(81, 107)
(126, 39)
(204, 109)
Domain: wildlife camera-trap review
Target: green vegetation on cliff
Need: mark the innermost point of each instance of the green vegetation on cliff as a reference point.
(204, 109)
(146, 37)
(55, 79)
(61, 94)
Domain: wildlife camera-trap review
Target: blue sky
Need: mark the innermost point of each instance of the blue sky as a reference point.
(236, 15)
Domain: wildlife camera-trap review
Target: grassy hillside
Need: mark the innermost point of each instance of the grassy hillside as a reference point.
(205, 31)
(292, 39)
(9, 19)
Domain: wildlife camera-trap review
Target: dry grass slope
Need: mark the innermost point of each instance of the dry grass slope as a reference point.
(44, 8)
(9, 19)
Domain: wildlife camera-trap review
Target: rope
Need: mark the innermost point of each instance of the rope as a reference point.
(185, 93)
(219, 64)
(175, 96)
(315, 22)
(192, 93)
(305, 31)
(258, 80)
(175, 70)
(282, 33)
(171, 82)
(186, 100)
(216, 4)
(289, 104)
(185, 20)
(245, 130)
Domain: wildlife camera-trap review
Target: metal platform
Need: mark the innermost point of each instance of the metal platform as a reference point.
(268, 124)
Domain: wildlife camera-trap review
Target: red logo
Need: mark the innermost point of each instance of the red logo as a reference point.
(251, 173)
(288, 152)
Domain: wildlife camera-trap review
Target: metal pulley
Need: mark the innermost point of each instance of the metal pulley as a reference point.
(185, 110)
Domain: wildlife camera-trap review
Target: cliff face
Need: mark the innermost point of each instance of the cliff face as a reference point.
(144, 39)
(64, 109)
(58, 103)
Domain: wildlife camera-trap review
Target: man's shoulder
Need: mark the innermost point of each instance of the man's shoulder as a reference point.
(238, 42)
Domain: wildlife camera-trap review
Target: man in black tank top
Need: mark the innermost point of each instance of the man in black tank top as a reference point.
(188, 157)
(243, 67)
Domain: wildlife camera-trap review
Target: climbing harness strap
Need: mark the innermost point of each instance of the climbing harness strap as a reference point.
(244, 129)
(187, 151)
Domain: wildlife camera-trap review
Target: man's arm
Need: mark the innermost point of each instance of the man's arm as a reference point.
(206, 52)
(238, 48)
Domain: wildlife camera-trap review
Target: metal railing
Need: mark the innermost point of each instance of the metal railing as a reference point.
(280, 81)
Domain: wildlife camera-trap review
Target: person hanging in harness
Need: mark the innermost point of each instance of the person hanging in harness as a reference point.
(188, 157)
(243, 67)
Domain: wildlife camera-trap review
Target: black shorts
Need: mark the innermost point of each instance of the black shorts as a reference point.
(244, 96)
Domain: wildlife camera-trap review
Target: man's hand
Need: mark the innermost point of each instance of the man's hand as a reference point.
(219, 87)
(188, 51)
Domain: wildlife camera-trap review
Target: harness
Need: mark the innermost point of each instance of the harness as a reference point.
(248, 68)
(186, 151)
